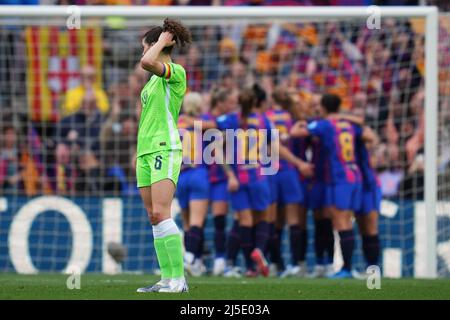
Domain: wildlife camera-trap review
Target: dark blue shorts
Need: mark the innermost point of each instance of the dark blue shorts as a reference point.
(193, 184)
(316, 195)
(371, 201)
(344, 196)
(219, 191)
(254, 196)
(272, 179)
(288, 187)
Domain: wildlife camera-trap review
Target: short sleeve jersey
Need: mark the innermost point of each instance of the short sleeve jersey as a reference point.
(338, 137)
(161, 102)
(192, 143)
(369, 175)
(282, 121)
(246, 158)
(215, 171)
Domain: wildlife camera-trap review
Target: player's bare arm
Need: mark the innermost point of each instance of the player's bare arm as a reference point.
(299, 130)
(349, 117)
(306, 168)
(206, 124)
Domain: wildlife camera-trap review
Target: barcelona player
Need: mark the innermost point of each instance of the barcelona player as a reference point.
(251, 199)
(367, 216)
(315, 189)
(159, 148)
(287, 190)
(275, 225)
(193, 184)
(342, 174)
(222, 102)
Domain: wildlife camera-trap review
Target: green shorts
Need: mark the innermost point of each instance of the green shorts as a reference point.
(157, 166)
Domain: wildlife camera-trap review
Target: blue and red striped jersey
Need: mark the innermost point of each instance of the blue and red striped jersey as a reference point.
(338, 138)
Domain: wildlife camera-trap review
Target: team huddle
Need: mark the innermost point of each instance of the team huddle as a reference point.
(322, 161)
(324, 165)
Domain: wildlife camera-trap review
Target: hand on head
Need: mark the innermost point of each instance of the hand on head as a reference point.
(167, 39)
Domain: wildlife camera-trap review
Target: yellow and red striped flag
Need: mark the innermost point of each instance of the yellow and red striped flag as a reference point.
(54, 58)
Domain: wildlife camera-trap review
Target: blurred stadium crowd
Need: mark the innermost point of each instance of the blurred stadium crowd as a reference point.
(86, 144)
(443, 4)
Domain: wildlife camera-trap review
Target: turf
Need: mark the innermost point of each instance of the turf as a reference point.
(96, 286)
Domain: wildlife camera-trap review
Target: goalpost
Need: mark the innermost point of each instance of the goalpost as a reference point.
(311, 24)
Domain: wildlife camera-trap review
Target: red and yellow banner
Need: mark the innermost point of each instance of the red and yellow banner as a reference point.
(54, 58)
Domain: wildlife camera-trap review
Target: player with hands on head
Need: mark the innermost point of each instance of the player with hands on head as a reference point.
(159, 150)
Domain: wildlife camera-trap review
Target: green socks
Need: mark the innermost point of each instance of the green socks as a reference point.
(163, 259)
(174, 249)
(169, 249)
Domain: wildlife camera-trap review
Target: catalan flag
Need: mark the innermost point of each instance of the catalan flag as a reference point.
(54, 58)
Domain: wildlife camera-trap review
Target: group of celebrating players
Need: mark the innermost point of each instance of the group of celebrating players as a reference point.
(324, 166)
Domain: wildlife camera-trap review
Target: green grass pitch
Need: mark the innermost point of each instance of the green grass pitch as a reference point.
(96, 286)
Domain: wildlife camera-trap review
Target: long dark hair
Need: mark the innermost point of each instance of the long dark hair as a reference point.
(261, 95)
(182, 35)
(247, 100)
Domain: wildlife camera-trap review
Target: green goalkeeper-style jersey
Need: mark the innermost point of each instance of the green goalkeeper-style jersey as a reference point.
(161, 102)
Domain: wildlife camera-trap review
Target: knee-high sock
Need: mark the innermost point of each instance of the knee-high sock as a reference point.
(247, 245)
(163, 258)
(323, 240)
(319, 240)
(371, 249)
(219, 235)
(295, 238)
(329, 240)
(233, 242)
(270, 241)
(347, 241)
(261, 235)
(187, 240)
(174, 249)
(194, 243)
(202, 242)
(169, 249)
(303, 244)
(273, 245)
(277, 252)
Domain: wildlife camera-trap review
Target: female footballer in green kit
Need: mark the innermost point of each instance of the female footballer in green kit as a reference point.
(159, 152)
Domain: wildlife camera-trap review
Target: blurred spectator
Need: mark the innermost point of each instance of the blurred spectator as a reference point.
(119, 44)
(443, 5)
(444, 134)
(283, 59)
(208, 43)
(35, 164)
(412, 187)
(193, 68)
(380, 71)
(416, 141)
(198, 2)
(390, 174)
(396, 2)
(10, 175)
(227, 56)
(118, 147)
(87, 93)
(77, 151)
